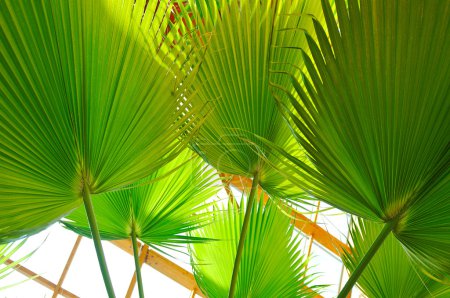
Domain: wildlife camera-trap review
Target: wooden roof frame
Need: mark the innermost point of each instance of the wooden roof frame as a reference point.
(301, 222)
(179, 274)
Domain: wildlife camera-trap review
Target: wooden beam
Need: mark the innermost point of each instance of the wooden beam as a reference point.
(164, 265)
(226, 179)
(193, 292)
(301, 222)
(311, 239)
(142, 258)
(67, 266)
(39, 279)
(187, 280)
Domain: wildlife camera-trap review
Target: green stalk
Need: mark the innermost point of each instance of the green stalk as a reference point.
(136, 264)
(97, 241)
(366, 259)
(237, 260)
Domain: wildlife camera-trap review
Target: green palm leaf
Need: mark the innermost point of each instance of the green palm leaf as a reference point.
(159, 213)
(272, 264)
(374, 120)
(76, 109)
(245, 43)
(390, 273)
(87, 104)
(247, 39)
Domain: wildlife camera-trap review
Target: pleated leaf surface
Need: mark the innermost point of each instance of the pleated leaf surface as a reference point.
(373, 117)
(88, 96)
(247, 41)
(272, 264)
(161, 208)
(390, 274)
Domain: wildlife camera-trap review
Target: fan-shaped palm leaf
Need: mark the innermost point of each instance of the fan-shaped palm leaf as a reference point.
(247, 39)
(245, 42)
(160, 213)
(374, 119)
(390, 274)
(87, 105)
(272, 264)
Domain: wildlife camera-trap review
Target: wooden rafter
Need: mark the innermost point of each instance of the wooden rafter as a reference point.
(66, 267)
(184, 277)
(168, 268)
(193, 293)
(165, 266)
(311, 239)
(226, 185)
(39, 279)
(179, 274)
(301, 222)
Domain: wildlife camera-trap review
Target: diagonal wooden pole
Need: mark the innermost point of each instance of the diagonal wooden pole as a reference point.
(311, 239)
(39, 279)
(193, 292)
(164, 266)
(67, 267)
(226, 185)
(301, 222)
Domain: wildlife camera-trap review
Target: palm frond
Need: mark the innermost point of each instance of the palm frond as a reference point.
(161, 208)
(373, 118)
(272, 264)
(390, 273)
(247, 40)
(88, 98)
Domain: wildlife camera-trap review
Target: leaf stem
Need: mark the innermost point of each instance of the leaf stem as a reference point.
(366, 259)
(97, 241)
(137, 264)
(237, 261)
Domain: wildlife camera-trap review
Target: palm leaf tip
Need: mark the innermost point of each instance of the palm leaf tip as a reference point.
(271, 263)
(373, 108)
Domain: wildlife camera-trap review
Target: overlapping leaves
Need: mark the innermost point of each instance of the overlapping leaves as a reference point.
(246, 40)
(373, 117)
(161, 208)
(88, 97)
